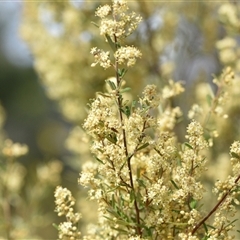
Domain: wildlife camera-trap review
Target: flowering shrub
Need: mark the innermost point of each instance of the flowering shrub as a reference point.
(146, 182)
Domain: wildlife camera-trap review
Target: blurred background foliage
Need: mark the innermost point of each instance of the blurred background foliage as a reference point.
(45, 87)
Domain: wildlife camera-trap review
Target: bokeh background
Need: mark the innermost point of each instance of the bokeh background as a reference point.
(30, 118)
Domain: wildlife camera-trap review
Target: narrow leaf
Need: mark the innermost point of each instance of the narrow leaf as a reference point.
(127, 89)
(188, 145)
(55, 226)
(141, 183)
(120, 230)
(123, 164)
(122, 72)
(235, 155)
(99, 160)
(113, 201)
(111, 84)
(174, 184)
(133, 106)
(95, 24)
(127, 111)
(231, 222)
(209, 99)
(193, 204)
(112, 45)
(143, 146)
(205, 227)
(112, 138)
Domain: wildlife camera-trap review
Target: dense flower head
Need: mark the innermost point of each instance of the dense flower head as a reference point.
(123, 22)
(127, 55)
(100, 118)
(150, 96)
(103, 11)
(68, 231)
(115, 28)
(64, 206)
(235, 148)
(101, 57)
(235, 159)
(195, 132)
(64, 200)
(120, 6)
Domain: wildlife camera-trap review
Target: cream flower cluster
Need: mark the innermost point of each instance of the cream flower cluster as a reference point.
(235, 160)
(228, 196)
(123, 22)
(150, 95)
(127, 55)
(64, 206)
(116, 24)
(99, 121)
(101, 57)
(195, 136)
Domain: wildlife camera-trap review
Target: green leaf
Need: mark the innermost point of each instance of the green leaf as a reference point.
(126, 110)
(95, 24)
(104, 94)
(111, 43)
(112, 189)
(134, 102)
(123, 164)
(193, 204)
(210, 226)
(127, 89)
(148, 230)
(111, 84)
(235, 155)
(112, 212)
(209, 99)
(141, 183)
(122, 72)
(120, 230)
(132, 195)
(100, 150)
(113, 201)
(231, 222)
(112, 138)
(143, 146)
(55, 226)
(99, 160)
(174, 184)
(188, 145)
(145, 109)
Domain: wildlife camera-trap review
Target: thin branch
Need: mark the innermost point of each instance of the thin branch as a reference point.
(119, 101)
(215, 207)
